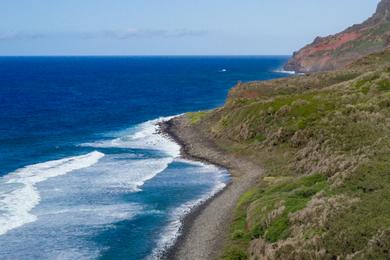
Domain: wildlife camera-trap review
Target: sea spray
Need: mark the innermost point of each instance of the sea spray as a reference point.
(22, 196)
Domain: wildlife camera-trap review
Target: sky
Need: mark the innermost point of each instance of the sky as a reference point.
(171, 27)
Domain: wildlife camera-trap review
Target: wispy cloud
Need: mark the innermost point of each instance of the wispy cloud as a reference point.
(106, 34)
(145, 33)
(20, 36)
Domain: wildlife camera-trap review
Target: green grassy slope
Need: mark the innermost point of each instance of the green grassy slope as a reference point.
(324, 141)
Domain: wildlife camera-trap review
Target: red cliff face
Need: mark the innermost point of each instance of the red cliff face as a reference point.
(335, 51)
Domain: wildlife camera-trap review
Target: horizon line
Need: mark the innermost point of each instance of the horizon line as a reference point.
(146, 55)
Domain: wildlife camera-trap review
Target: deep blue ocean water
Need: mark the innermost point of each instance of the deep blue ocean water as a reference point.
(83, 172)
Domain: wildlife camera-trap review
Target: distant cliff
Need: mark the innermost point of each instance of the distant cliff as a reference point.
(335, 51)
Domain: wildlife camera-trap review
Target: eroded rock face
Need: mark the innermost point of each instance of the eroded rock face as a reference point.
(335, 51)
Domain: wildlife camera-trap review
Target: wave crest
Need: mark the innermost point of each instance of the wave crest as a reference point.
(20, 195)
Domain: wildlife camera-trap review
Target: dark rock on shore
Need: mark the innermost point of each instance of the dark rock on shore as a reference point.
(206, 229)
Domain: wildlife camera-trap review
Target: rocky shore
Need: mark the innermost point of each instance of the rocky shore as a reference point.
(207, 227)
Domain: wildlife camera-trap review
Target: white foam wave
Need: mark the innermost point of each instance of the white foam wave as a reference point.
(20, 194)
(204, 167)
(129, 175)
(290, 72)
(92, 214)
(142, 136)
(173, 230)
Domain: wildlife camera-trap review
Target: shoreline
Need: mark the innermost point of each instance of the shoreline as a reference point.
(205, 229)
(186, 222)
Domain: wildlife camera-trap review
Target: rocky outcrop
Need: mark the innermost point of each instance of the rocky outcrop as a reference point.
(335, 51)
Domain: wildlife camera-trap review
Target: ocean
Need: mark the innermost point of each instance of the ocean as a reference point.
(84, 172)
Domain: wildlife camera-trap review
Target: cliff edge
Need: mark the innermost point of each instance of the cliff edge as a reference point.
(336, 51)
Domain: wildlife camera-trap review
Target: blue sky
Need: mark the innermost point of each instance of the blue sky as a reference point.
(171, 27)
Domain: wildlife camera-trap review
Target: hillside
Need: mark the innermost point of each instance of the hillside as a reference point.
(336, 51)
(323, 140)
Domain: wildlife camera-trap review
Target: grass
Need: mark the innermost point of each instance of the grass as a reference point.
(325, 133)
(351, 231)
(235, 253)
(381, 30)
(384, 85)
(195, 117)
(256, 205)
(259, 137)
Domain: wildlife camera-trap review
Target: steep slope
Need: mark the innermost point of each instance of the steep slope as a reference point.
(336, 51)
(324, 142)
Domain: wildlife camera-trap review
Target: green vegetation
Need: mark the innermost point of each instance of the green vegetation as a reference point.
(324, 141)
(235, 253)
(381, 29)
(384, 85)
(195, 117)
(351, 230)
(268, 207)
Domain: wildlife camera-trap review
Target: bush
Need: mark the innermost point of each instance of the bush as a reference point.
(235, 253)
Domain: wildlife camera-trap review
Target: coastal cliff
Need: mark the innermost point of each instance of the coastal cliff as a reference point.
(311, 152)
(321, 144)
(336, 51)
